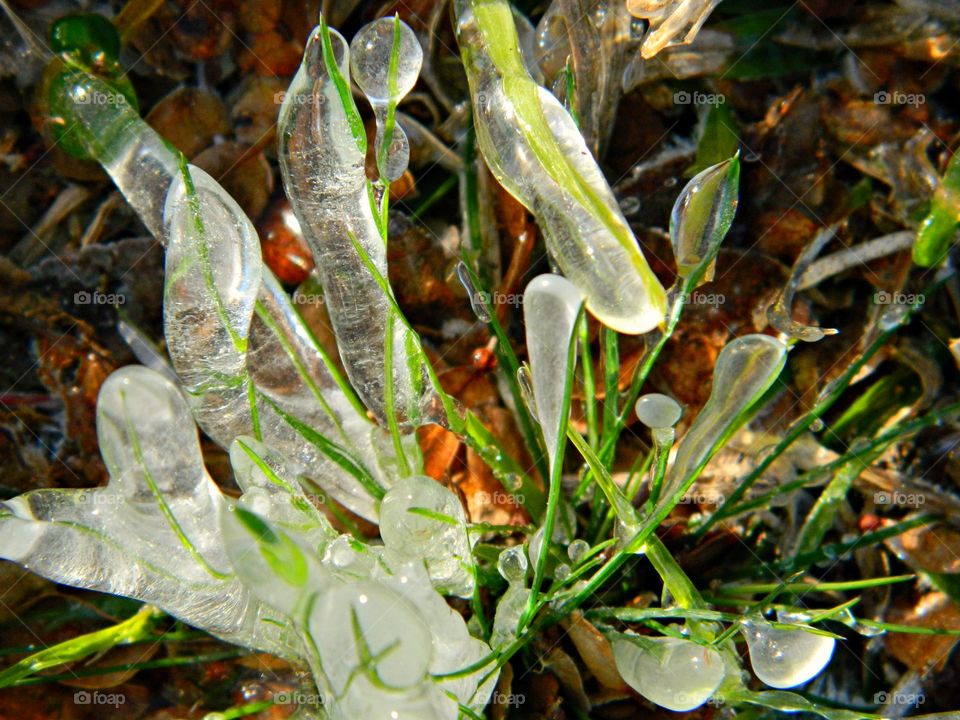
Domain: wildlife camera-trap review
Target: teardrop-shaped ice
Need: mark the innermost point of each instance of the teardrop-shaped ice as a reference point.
(551, 304)
(784, 658)
(397, 156)
(512, 564)
(422, 520)
(675, 674)
(746, 367)
(701, 217)
(657, 411)
(371, 55)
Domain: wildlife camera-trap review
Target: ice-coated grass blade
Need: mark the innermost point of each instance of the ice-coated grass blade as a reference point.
(533, 147)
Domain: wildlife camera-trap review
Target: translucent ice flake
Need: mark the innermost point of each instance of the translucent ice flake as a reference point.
(550, 307)
(385, 58)
(675, 674)
(701, 217)
(420, 520)
(672, 22)
(746, 367)
(150, 534)
(533, 147)
(322, 150)
(784, 657)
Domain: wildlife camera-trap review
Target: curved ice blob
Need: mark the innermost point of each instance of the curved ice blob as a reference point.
(148, 534)
(420, 520)
(551, 305)
(786, 657)
(676, 674)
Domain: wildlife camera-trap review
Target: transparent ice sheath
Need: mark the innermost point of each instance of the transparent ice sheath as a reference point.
(535, 150)
(745, 368)
(148, 534)
(322, 151)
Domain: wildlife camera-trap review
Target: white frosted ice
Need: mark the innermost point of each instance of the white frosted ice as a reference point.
(551, 304)
(658, 411)
(676, 674)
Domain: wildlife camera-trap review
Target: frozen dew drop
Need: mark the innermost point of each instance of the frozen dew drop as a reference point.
(817, 425)
(353, 619)
(785, 658)
(746, 367)
(477, 301)
(370, 55)
(675, 674)
(658, 411)
(630, 205)
(562, 572)
(512, 564)
(577, 550)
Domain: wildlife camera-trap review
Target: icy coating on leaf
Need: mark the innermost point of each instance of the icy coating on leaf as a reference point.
(672, 22)
(148, 534)
(745, 368)
(786, 657)
(701, 217)
(675, 674)
(535, 150)
(550, 307)
(322, 151)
